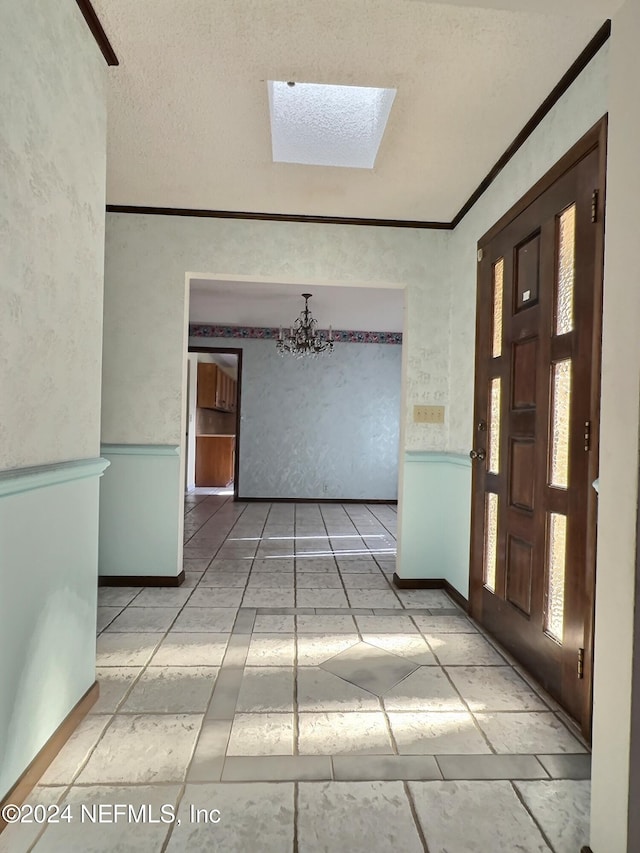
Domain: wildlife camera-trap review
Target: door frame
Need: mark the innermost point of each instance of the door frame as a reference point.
(594, 139)
(238, 352)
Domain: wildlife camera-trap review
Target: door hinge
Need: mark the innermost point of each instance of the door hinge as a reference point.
(594, 206)
(580, 663)
(587, 436)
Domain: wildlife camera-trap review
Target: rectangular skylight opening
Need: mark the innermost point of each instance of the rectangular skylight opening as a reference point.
(321, 125)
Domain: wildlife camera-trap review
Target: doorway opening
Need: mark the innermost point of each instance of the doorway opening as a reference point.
(314, 429)
(214, 383)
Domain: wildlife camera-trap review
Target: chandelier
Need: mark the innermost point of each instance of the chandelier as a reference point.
(304, 338)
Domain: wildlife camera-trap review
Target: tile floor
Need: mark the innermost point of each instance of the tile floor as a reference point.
(289, 686)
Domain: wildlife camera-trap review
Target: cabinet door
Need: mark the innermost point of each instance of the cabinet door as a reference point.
(214, 460)
(207, 382)
(229, 394)
(220, 390)
(225, 388)
(224, 391)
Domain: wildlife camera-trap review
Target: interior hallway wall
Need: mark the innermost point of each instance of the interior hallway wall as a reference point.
(438, 486)
(616, 739)
(52, 197)
(52, 202)
(318, 428)
(145, 320)
(575, 113)
(145, 335)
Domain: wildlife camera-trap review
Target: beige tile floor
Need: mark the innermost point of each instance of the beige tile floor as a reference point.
(289, 686)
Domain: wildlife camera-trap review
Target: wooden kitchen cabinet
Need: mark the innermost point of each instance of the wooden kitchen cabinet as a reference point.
(215, 459)
(207, 385)
(216, 389)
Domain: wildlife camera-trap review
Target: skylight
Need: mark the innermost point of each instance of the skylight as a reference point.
(321, 125)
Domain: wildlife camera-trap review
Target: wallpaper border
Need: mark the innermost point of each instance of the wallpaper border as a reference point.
(346, 336)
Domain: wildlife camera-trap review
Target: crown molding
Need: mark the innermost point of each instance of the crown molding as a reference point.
(93, 22)
(277, 217)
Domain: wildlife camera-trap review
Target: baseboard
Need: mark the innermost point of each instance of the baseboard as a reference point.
(31, 776)
(141, 580)
(432, 583)
(317, 500)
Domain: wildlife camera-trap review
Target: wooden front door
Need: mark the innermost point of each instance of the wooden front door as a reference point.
(536, 426)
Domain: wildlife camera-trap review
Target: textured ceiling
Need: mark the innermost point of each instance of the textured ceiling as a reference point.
(273, 304)
(600, 8)
(189, 112)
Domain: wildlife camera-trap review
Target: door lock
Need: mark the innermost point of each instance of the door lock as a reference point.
(477, 454)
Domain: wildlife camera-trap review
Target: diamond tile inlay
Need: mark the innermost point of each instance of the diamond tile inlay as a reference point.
(369, 667)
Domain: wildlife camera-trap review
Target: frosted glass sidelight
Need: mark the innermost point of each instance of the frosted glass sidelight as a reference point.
(557, 556)
(498, 287)
(494, 426)
(566, 270)
(560, 418)
(490, 541)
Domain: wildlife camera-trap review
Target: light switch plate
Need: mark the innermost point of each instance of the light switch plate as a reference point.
(428, 414)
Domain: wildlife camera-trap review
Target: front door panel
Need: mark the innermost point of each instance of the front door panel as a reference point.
(536, 418)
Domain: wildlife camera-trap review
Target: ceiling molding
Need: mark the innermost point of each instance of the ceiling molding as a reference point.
(571, 75)
(277, 217)
(97, 30)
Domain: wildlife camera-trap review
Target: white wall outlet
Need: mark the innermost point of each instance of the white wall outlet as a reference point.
(428, 414)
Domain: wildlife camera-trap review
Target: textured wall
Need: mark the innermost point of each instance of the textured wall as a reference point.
(578, 110)
(319, 428)
(145, 322)
(52, 168)
(616, 722)
(52, 162)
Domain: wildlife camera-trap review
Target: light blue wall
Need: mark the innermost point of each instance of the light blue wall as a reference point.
(48, 579)
(141, 511)
(319, 428)
(434, 525)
